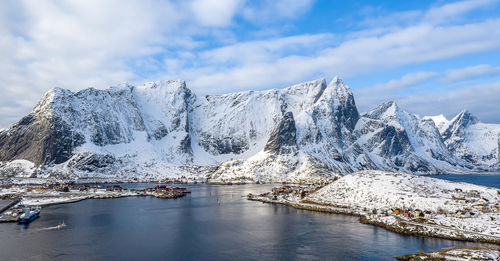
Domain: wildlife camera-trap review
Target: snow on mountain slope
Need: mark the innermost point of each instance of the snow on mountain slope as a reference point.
(398, 140)
(158, 128)
(281, 160)
(473, 141)
(121, 128)
(439, 120)
(324, 130)
(17, 168)
(238, 125)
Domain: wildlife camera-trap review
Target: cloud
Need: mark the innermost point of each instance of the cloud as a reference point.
(415, 44)
(369, 97)
(471, 72)
(77, 44)
(215, 12)
(453, 11)
(481, 100)
(265, 51)
(221, 13)
(447, 13)
(405, 81)
(264, 11)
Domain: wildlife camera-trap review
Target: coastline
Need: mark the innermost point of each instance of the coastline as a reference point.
(47, 195)
(402, 227)
(455, 253)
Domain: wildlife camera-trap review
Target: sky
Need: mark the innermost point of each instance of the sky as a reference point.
(431, 57)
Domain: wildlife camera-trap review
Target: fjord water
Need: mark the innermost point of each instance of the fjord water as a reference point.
(213, 223)
(478, 179)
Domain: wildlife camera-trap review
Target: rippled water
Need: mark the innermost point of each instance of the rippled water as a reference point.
(483, 180)
(197, 227)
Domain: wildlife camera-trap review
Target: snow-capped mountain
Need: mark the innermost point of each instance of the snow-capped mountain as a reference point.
(473, 141)
(279, 160)
(402, 141)
(162, 129)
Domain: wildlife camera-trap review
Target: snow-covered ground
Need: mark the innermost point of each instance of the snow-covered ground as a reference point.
(17, 168)
(387, 190)
(459, 254)
(409, 204)
(268, 168)
(41, 197)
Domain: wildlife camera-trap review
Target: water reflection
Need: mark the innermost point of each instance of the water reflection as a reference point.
(198, 227)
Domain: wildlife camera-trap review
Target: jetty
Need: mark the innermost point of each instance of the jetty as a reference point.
(5, 205)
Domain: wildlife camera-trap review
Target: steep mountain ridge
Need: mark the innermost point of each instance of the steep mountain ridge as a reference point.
(238, 125)
(402, 141)
(472, 140)
(280, 160)
(160, 129)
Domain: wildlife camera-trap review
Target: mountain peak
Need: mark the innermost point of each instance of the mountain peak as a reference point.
(164, 84)
(458, 123)
(464, 118)
(316, 86)
(384, 110)
(339, 88)
(336, 79)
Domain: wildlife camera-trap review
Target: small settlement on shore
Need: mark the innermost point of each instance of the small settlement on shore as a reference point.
(458, 254)
(17, 197)
(403, 203)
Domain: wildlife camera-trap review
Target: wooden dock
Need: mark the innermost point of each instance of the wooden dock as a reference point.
(8, 204)
(5, 205)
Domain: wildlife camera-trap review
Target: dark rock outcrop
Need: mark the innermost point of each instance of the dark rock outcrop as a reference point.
(458, 124)
(41, 140)
(283, 138)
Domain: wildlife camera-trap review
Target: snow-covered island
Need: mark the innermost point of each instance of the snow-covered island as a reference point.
(475, 253)
(50, 194)
(404, 203)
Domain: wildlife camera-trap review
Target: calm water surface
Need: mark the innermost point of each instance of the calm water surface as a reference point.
(483, 180)
(197, 227)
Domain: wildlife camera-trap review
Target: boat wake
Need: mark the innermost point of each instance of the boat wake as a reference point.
(60, 226)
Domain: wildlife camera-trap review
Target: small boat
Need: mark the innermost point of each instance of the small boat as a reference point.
(61, 225)
(30, 214)
(183, 190)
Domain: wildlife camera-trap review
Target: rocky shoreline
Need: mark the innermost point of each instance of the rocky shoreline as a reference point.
(400, 227)
(469, 253)
(45, 195)
(402, 203)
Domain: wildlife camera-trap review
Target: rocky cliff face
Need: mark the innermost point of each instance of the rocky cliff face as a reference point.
(280, 160)
(238, 125)
(398, 140)
(42, 137)
(283, 138)
(473, 141)
(306, 130)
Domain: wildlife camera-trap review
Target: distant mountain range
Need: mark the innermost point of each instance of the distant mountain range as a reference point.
(307, 131)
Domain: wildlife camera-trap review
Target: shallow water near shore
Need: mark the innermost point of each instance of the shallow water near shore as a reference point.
(478, 179)
(212, 223)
